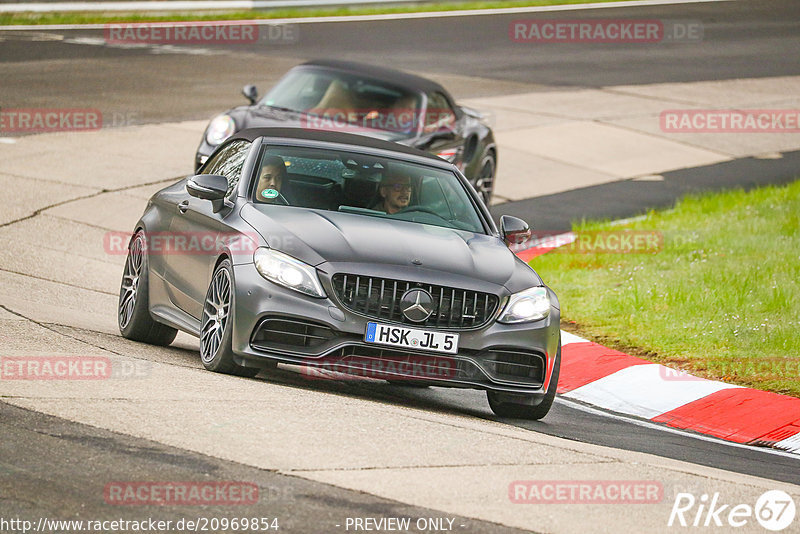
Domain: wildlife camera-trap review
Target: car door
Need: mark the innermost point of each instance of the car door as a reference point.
(197, 232)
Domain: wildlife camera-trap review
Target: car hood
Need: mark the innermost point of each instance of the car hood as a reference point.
(317, 236)
(263, 116)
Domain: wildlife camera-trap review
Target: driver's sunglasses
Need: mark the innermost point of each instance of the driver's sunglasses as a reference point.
(401, 187)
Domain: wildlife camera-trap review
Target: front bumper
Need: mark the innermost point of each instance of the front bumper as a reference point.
(273, 323)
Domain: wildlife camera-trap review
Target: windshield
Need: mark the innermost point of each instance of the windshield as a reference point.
(364, 186)
(332, 100)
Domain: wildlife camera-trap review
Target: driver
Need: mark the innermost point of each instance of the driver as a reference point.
(270, 179)
(395, 191)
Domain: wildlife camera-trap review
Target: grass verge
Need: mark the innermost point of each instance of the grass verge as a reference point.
(720, 299)
(7, 19)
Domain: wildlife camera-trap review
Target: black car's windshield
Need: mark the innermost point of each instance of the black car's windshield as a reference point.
(331, 100)
(365, 186)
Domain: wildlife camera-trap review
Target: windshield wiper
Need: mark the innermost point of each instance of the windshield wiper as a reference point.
(280, 108)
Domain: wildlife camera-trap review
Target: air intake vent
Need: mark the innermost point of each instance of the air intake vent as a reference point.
(286, 332)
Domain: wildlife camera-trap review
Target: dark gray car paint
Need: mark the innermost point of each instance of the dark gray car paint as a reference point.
(333, 242)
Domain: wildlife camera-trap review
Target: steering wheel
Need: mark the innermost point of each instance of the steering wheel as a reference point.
(421, 209)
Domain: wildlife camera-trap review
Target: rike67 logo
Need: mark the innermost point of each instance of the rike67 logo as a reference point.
(774, 510)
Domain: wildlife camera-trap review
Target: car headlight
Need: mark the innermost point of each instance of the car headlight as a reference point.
(530, 305)
(220, 128)
(287, 271)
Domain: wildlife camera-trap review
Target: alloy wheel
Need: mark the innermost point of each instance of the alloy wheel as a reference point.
(215, 314)
(130, 281)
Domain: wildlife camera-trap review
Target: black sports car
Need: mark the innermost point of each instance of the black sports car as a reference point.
(346, 253)
(374, 101)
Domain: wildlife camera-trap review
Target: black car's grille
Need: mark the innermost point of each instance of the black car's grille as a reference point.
(379, 298)
(274, 332)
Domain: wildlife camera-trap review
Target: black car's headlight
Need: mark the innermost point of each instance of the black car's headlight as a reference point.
(287, 271)
(220, 128)
(531, 304)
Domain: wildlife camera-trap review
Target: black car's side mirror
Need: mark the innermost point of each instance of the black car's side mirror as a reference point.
(250, 92)
(211, 187)
(515, 231)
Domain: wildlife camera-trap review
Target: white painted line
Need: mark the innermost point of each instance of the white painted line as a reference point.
(7, 140)
(791, 444)
(620, 222)
(369, 18)
(567, 338)
(769, 155)
(645, 390)
(548, 242)
(155, 48)
(663, 428)
(554, 241)
(177, 5)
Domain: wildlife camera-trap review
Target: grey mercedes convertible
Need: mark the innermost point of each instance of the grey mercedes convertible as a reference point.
(338, 251)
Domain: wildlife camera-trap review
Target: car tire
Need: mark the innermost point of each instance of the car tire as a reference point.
(133, 309)
(512, 410)
(216, 331)
(484, 181)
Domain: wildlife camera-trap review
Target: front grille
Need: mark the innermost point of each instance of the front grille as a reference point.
(274, 332)
(379, 298)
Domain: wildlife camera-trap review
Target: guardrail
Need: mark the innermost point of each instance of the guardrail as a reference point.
(179, 5)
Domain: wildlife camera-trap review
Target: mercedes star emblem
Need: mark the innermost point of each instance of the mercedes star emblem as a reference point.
(417, 305)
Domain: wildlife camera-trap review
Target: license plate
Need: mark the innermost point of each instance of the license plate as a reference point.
(411, 338)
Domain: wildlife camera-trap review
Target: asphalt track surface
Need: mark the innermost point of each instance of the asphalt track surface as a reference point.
(741, 40)
(629, 198)
(60, 472)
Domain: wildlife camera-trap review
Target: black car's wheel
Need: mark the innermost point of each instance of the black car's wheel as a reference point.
(484, 181)
(505, 408)
(133, 314)
(217, 327)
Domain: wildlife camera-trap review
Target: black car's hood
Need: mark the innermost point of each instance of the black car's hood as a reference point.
(265, 116)
(316, 237)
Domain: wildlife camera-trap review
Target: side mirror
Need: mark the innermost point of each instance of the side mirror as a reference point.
(250, 92)
(209, 187)
(515, 231)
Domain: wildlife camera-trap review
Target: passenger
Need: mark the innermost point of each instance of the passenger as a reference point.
(271, 178)
(395, 191)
